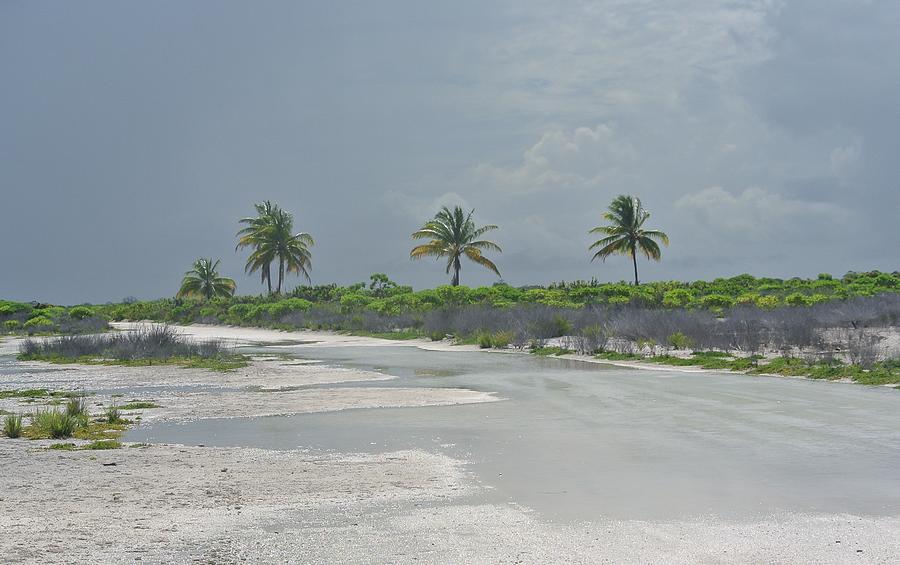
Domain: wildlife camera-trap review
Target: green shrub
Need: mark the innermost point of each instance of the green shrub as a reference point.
(677, 298)
(282, 307)
(679, 340)
(8, 308)
(38, 322)
(720, 301)
(12, 325)
(209, 312)
(80, 312)
(767, 302)
(797, 299)
(502, 339)
(496, 340)
(240, 313)
(354, 302)
(12, 425)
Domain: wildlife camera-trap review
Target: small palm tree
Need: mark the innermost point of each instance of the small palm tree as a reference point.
(204, 281)
(270, 235)
(453, 234)
(626, 235)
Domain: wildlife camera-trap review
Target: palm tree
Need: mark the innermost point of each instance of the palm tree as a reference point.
(270, 235)
(626, 235)
(254, 235)
(204, 281)
(453, 234)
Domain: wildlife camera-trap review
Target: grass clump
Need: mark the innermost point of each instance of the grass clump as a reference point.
(94, 445)
(139, 405)
(12, 426)
(113, 415)
(77, 407)
(103, 444)
(615, 356)
(26, 393)
(63, 446)
(54, 424)
(100, 429)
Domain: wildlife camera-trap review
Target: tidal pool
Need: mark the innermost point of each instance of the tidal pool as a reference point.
(580, 441)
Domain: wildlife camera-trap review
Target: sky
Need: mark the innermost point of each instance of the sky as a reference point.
(762, 135)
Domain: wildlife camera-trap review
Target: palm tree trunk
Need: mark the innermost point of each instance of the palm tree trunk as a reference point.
(456, 267)
(280, 274)
(268, 274)
(634, 260)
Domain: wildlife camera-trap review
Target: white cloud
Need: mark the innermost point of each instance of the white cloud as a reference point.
(561, 160)
(757, 214)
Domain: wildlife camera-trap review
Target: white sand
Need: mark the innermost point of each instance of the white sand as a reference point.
(171, 504)
(250, 336)
(175, 504)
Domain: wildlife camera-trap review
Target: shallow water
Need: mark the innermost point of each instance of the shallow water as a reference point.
(581, 441)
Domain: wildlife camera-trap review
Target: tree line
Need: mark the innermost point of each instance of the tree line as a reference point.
(450, 235)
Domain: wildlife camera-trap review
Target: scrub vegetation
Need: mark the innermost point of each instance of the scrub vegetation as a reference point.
(829, 324)
(147, 345)
(30, 318)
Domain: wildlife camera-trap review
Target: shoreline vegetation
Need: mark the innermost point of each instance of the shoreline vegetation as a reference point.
(825, 328)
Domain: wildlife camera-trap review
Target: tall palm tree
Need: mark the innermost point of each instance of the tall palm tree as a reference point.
(270, 235)
(254, 235)
(204, 281)
(453, 234)
(626, 234)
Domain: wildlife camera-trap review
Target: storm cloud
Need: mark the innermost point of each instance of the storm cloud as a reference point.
(762, 135)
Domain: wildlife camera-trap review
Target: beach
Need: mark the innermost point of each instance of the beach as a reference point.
(166, 502)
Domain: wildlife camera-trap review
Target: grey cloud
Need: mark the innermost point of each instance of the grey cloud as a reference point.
(135, 135)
